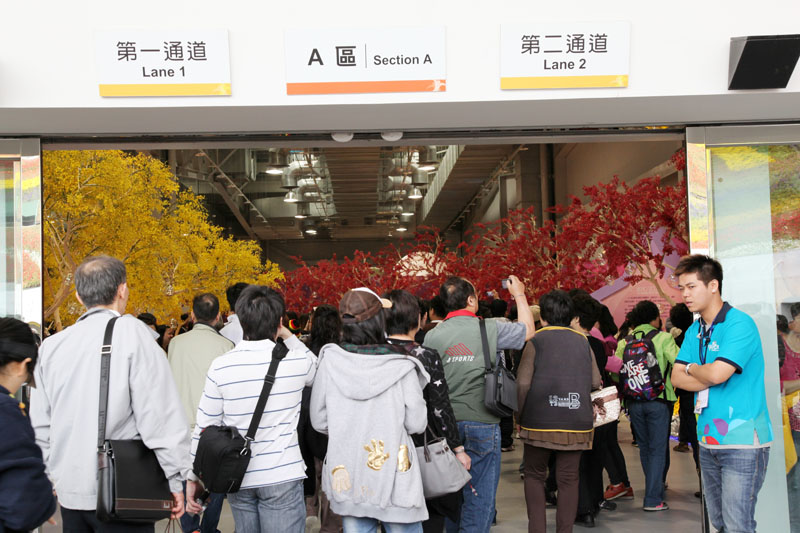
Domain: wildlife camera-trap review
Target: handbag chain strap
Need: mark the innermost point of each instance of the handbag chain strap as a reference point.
(485, 341)
(278, 353)
(105, 369)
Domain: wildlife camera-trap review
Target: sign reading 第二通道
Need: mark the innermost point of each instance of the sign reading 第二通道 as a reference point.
(369, 60)
(564, 55)
(163, 62)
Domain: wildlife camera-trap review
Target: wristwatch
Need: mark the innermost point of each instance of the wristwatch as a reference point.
(687, 369)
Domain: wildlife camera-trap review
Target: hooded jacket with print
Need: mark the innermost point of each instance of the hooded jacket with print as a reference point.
(369, 404)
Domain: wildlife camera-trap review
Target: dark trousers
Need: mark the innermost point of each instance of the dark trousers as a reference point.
(669, 433)
(87, 522)
(688, 428)
(567, 466)
(507, 432)
(590, 486)
(613, 458)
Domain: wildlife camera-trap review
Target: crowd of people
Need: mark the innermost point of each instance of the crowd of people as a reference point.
(367, 381)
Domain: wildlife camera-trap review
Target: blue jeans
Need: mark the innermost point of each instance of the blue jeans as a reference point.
(650, 421)
(731, 481)
(482, 444)
(210, 517)
(275, 508)
(358, 524)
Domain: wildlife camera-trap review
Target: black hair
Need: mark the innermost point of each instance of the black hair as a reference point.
(498, 307)
(437, 305)
(587, 309)
(643, 312)
(369, 331)
(681, 317)
(17, 343)
(259, 309)
(705, 267)
(403, 316)
(205, 308)
(326, 327)
(455, 292)
(233, 292)
(291, 315)
(98, 278)
(556, 308)
(578, 292)
(783, 324)
(424, 306)
(148, 318)
(794, 310)
(513, 313)
(624, 328)
(606, 324)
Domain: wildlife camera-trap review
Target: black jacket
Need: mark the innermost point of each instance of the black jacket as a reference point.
(26, 495)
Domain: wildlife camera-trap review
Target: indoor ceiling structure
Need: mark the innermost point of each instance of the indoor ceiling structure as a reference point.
(338, 193)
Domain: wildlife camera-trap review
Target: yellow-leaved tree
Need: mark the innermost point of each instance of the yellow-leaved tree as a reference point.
(130, 206)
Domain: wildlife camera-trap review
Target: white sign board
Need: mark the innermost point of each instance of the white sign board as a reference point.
(560, 55)
(163, 62)
(374, 60)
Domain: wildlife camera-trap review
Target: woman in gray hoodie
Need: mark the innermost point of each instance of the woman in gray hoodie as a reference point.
(367, 397)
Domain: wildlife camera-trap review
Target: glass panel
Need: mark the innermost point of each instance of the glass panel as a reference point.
(9, 290)
(756, 230)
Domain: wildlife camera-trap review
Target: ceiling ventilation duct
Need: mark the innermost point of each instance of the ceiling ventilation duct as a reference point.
(419, 177)
(428, 157)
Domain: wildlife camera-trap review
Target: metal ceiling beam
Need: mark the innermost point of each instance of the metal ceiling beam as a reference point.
(442, 175)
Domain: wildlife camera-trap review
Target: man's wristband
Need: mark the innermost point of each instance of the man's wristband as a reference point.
(687, 368)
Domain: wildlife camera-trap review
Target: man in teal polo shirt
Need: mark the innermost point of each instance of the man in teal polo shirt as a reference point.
(721, 360)
(458, 340)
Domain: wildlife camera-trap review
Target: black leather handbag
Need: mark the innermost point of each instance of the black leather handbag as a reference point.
(223, 454)
(131, 485)
(500, 393)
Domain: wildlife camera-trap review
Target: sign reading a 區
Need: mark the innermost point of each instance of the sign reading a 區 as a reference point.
(368, 60)
(163, 62)
(564, 55)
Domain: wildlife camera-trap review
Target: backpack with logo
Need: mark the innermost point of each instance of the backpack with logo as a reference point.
(640, 374)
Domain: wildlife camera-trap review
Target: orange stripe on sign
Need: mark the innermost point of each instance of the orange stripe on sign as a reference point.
(355, 87)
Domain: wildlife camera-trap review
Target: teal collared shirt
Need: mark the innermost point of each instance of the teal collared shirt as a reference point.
(666, 353)
(737, 408)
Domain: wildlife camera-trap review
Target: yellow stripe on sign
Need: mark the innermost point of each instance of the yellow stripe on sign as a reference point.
(563, 82)
(166, 89)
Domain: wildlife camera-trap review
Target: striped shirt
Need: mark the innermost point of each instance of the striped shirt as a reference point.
(232, 388)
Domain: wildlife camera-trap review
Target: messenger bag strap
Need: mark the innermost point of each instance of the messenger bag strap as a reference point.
(105, 369)
(278, 353)
(485, 341)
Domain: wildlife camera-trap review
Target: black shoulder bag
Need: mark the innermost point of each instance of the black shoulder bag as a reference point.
(500, 393)
(131, 485)
(222, 454)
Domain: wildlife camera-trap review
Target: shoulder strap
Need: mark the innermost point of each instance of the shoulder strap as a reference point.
(652, 333)
(105, 368)
(278, 353)
(485, 341)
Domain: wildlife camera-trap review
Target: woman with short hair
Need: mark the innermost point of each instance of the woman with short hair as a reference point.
(402, 324)
(26, 495)
(554, 383)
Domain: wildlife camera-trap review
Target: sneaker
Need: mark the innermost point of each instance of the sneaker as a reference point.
(608, 505)
(507, 449)
(681, 447)
(660, 507)
(618, 491)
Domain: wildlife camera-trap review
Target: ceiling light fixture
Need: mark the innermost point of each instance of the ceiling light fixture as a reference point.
(391, 136)
(275, 171)
(401, 228)
(427, 167)
(342, 136)
(302, 211)
(291, 197)
(416, 194)
(311, 231)
(408, 208)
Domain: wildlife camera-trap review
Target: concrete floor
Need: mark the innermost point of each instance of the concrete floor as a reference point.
(683, 516)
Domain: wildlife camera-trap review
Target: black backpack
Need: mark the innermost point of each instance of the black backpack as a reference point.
(640, 374)
(222, 453)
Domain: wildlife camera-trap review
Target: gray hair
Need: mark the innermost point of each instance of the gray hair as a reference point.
(98, 278)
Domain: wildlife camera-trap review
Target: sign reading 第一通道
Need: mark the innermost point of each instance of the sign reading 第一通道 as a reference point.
(564, 55)
(368, 60)
(163, 62)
